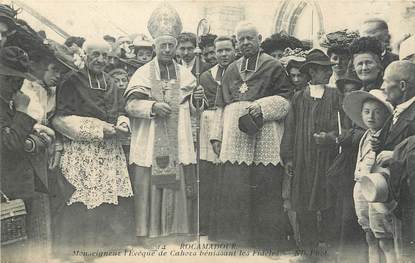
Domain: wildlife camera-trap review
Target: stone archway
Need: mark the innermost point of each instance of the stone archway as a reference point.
(288, 14)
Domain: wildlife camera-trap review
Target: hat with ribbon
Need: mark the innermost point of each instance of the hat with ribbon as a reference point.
(315, 57)
(296, 55)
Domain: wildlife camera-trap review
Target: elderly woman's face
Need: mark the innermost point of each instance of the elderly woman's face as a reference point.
(97, 59)
(165, 48)
(366, 66)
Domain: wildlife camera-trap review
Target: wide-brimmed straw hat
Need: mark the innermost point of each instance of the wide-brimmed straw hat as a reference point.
(14, 61)
(315, 57)
(353, 103)
(376, 191)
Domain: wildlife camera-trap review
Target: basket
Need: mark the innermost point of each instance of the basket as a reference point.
(13, 221)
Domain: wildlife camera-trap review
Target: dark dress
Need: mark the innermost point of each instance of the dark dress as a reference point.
(24, 177)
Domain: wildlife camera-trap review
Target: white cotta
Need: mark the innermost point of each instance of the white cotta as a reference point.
(142, 124)
(207, 120)
(94, 165)
(262, 148)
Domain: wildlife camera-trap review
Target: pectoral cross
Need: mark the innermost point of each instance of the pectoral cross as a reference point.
(243, 88)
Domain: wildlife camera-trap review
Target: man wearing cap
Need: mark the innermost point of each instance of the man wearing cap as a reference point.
(211, 82)
(309, 146)
(254, 92)
(399, 85)
(22, 139)
(160, 100)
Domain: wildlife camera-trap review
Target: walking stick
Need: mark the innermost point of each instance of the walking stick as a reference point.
(203, 28)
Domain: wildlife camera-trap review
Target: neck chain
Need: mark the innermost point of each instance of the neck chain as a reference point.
(247, 60)
(97, 80)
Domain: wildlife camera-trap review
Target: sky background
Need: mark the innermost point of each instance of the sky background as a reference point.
(95, 18)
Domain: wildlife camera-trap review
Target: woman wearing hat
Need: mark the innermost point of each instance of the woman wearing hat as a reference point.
(366, 58)
(370, 111)
(337, 44)
(309, 147)
(293, 60)
(22, 140)
(276, 44)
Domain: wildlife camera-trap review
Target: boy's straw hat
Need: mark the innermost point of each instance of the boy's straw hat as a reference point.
(376, 191)
(353, 103)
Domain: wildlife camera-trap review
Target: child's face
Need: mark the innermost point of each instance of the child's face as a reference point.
(121, 80)
(144, 55)
(374, 114)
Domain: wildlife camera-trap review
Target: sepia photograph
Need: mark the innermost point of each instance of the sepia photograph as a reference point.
(207, 131)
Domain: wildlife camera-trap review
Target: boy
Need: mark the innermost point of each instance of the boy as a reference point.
(143, 48)
(370, 111)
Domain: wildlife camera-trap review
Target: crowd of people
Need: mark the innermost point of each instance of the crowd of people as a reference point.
(297, 147)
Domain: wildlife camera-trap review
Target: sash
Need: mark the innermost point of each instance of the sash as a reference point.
(165, 166)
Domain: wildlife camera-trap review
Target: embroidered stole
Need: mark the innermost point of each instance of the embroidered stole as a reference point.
(165, 166)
